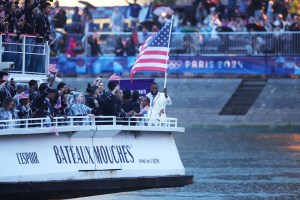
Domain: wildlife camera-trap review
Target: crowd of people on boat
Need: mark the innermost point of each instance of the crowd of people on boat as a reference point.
(24, 101)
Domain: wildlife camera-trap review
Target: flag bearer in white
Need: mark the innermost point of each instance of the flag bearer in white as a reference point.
(158, 101)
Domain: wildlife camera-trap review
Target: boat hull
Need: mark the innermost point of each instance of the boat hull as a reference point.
(90, 161)
(82, 188)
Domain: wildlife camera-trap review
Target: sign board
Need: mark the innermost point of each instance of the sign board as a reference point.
(198, 65)
(142, 85)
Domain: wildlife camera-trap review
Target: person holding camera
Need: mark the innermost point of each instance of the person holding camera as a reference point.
(99, 83)
(110, 102)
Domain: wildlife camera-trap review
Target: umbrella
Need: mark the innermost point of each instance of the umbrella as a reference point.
(163, 9)
(224, 29)
(87, 4)
(255, 27)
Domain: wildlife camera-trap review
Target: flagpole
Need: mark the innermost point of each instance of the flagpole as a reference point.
(171, 27)
(165, 81)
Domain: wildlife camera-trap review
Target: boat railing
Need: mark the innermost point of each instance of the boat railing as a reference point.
(27, 55)
(72, 123)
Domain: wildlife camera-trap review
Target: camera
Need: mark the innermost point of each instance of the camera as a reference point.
(7, 65)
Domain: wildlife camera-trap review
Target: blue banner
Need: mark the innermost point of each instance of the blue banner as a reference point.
(236, 65)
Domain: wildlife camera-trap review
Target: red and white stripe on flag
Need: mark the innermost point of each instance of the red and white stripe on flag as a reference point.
(154, 52)
(53, 68)
(55, 130)
(144, 45)
(23, 95)
(58, 103)
(114, 77)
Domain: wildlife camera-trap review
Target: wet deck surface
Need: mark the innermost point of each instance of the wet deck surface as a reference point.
(233, 165)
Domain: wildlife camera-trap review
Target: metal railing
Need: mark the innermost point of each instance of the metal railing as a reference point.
(30, 57)
(75, 121)
(27, 55)
(208, 43)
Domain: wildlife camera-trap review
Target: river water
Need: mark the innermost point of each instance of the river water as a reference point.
(229, 164)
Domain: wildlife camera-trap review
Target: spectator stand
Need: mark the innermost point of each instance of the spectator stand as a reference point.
(222, 44)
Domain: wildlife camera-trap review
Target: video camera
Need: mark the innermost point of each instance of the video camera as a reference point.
(7, 66)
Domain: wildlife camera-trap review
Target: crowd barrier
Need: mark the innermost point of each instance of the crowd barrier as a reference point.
(212, 43)
(253, 53)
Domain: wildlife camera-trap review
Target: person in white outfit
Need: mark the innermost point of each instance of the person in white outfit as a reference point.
(158, 101)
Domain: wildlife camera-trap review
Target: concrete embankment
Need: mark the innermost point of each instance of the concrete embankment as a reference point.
(197, 102)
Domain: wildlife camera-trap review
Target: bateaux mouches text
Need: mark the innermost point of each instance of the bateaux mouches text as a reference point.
(93, 154)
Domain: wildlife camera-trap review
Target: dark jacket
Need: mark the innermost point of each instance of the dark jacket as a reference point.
(41, 105)
(95, 47)
(90, 103)
(6, 91)
(30, 25)
(130, 105)
(119, 49)
(130, 49)
(12, 22)
(24, 113)
(42, 28)
(111, 106)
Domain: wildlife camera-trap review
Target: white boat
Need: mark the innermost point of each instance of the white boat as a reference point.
(81, 156)
(84, 156)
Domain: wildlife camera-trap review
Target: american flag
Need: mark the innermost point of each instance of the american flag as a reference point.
(114, 77)
(55, 130)
(53, 68)
(58, 103)
(5, 77)
(23, 95)
(154, 52)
